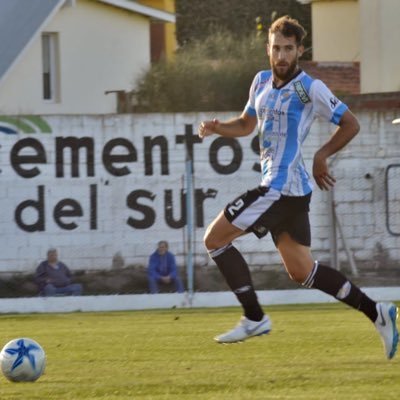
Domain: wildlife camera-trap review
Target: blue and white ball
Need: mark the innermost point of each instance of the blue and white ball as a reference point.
(22, 360)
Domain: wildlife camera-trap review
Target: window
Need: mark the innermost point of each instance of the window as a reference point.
(50, 67)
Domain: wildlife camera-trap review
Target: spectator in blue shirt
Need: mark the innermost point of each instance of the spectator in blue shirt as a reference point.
(162, 269)
(54, 278)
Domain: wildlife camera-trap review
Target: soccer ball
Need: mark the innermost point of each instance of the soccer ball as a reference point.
(22, 360)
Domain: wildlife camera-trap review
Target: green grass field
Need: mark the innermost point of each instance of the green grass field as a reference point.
(314, 352)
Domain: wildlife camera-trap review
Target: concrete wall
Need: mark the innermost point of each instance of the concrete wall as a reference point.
(175, 300)
(101, 48)
(102, 206)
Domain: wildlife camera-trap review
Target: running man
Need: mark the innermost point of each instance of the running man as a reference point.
(283, 103)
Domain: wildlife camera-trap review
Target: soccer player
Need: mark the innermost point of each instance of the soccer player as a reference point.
(283, 102)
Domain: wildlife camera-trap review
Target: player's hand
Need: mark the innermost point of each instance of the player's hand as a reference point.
(324, 179)
(207, 128)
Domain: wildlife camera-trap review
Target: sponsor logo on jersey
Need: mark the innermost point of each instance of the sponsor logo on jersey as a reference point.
(333, 101)
(285, 94)
(262, 230)
(270, 113)
(301, 92)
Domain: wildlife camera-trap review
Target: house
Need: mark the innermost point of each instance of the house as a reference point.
(70, 56)
(162, 34)
(363, 31)
(342, 77)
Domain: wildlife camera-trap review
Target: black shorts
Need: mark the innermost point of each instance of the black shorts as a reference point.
(264, 210)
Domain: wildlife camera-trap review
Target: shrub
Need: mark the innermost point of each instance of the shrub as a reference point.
(210, 75)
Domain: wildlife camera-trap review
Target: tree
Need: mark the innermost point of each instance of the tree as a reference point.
(196, 20)
(210, 75)
(220, 52)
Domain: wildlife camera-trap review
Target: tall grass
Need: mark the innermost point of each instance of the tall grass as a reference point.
(211, 75)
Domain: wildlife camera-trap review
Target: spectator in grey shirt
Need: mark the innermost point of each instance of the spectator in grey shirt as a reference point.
(54, 278)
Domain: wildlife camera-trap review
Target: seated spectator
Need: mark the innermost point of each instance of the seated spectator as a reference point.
(54, 278)
(162, 269)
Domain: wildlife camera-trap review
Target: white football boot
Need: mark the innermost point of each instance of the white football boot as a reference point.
(245, 329)
(385, 324)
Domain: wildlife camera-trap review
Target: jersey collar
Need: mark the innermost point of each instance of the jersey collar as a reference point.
(298, 72)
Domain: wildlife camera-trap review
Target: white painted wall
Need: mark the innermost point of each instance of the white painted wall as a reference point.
(360, 30)
(336, 30)
(101, 48)
(175, 300)
(360, 197)
(380, 55)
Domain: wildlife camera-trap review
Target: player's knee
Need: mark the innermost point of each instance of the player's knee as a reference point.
(297, 276)
(212, 242)
(209, 241)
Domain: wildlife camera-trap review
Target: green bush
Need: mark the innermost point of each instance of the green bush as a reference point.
(195, 19)
(211, 75)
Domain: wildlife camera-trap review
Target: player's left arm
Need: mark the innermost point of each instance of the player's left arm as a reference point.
(347, 129)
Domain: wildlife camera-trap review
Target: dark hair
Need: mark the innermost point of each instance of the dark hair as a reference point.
(288, 27)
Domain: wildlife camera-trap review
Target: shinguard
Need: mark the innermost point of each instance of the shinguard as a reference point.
(233, 267)
(333, 282)
(237, 275)
(216, 252)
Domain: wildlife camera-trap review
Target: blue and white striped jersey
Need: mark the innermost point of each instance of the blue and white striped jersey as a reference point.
(284, 116)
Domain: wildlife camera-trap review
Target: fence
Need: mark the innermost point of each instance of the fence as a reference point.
(105, 189)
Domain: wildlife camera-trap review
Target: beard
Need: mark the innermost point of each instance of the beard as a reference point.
(286, 74)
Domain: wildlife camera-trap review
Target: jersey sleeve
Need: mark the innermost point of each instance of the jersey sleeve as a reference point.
(326, 105)
(250, 107)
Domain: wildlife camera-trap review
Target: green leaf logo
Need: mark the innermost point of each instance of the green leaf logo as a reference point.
(23, 124)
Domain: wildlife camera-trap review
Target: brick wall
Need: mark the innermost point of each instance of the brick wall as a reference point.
(118, 202)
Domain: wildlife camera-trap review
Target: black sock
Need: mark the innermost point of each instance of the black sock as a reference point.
(337, 285)
(237, 275)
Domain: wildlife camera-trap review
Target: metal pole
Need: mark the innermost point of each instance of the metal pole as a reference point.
(334, 251)
(332, 231)
(349, 254)
(189, 216)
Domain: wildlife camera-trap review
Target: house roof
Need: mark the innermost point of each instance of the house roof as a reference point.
(21, 21)
(141, 9)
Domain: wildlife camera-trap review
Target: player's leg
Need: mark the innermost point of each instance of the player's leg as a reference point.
(303, 269)
(238, 218)
(220, 233)
(218, 241)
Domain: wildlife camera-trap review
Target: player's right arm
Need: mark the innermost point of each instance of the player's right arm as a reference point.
(236, 127)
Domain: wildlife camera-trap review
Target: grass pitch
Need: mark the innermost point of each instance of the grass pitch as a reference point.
(313, 352)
